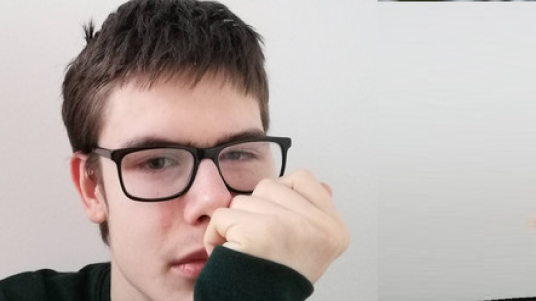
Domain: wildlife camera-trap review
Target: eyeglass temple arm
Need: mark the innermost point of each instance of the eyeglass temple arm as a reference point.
(107, 153)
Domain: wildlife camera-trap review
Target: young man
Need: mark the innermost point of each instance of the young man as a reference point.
(166, 110)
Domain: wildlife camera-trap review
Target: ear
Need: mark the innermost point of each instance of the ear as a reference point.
(88, 187)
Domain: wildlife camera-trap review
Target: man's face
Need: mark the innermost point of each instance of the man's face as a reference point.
(157, 248)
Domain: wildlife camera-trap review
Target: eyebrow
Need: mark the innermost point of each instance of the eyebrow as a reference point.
(150, 141)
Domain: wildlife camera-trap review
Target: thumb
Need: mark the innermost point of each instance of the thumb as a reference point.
(212, 236)
(224, 229)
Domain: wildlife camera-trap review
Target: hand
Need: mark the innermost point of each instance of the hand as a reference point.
(291, 220)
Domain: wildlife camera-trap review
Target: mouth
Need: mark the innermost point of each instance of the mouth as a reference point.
(190, 266)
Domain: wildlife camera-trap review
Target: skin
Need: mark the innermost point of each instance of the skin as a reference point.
(290, 220)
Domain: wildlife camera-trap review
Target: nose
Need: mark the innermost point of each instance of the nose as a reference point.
(207, 193)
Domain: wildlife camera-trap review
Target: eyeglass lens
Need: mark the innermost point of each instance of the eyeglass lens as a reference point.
(163, 172)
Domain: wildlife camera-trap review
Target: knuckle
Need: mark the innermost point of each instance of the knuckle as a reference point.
(342, 240)
(218, 213)
(304, 173)
(262, 187)
(237, 201)
(335, 239)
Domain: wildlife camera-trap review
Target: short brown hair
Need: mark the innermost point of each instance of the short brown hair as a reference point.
(149, 40)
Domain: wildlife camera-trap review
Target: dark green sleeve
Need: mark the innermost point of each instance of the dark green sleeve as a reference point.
(92, 283)
(231, 275)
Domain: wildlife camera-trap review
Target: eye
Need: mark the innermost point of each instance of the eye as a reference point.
(237, 155)
(157, 160)
(159, 163)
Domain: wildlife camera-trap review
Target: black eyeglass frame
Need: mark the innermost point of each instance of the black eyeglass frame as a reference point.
(199, 154)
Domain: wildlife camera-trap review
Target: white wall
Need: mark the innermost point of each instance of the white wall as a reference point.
(456, 131)
(445, 143)
(320, 65)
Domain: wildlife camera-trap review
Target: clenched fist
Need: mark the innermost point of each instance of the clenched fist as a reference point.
(291, 220)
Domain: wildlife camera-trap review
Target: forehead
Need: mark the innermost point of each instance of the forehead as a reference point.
(175, 110)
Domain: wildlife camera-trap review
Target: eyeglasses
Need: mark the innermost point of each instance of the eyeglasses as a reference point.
(164, 172)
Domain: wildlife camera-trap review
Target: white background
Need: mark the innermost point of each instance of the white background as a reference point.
(320, 62)
(456, 131)
(432, 164)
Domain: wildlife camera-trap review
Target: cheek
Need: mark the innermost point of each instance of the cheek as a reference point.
(162, 216)
(141, 226)
(138, 225)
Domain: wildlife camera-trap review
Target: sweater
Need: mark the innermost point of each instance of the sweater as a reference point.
(227, 275)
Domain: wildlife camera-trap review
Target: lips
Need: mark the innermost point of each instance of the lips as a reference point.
(190, 266)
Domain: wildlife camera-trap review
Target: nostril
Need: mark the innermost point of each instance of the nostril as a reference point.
(203, 219)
